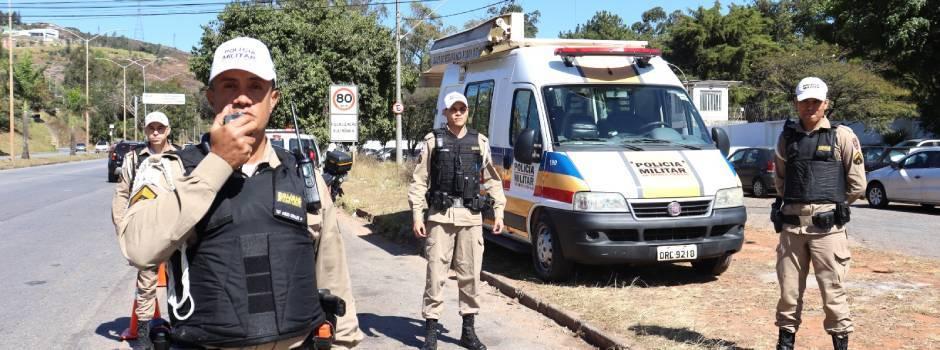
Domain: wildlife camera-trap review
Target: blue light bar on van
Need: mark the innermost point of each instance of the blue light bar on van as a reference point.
(608, 51)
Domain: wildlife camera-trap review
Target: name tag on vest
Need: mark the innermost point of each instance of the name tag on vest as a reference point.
(289, 206)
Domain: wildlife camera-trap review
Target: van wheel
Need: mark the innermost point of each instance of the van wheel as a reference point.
(759, 189)
(713, 266)
(876, 196)
(550, 264)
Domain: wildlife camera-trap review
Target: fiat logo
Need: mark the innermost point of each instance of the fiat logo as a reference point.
(674, 209)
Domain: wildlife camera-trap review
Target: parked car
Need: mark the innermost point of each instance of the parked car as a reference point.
(919, 143)
(116, 157)
(877, 157)
(914, 179)
(287, 139)
(755, 168)
(80, 147)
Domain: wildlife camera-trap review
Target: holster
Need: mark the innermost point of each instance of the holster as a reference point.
(776, 214)
(480, 203)
(825, 220)
(843, 214)
(439, 200)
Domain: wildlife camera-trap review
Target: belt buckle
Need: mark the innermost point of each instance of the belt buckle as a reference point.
(458, 202)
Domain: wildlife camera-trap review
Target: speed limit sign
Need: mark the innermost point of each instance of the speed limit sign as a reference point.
(344, 99)
(398, 108)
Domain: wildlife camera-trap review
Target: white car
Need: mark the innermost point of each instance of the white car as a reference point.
(101, 146)
(914, 179)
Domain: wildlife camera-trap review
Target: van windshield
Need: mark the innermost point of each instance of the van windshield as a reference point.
(632, 116)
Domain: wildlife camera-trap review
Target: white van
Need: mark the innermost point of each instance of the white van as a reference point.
(287, 139)
(604, 158)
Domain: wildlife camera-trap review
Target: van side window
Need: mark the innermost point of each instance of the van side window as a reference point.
(525, 115)
(480, 98)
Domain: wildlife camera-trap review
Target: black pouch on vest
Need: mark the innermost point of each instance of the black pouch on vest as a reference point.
(776, 214)
(824, 221)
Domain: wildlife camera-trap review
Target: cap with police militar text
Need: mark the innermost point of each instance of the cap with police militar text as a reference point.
(454, 97)
(156, 117)
(811, 87)
(243, 53)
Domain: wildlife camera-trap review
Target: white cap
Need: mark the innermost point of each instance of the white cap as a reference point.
(811, 87)
(156, 117)
(454, 97)
(243, 53)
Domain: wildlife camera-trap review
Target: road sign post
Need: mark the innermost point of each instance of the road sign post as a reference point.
(344, 113)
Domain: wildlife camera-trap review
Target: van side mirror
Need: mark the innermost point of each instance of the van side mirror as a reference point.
(524, 150)
(721, 140)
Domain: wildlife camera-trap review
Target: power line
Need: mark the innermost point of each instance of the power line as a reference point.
(462, 12)
(78, 10)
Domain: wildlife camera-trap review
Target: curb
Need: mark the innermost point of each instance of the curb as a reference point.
(592, 335)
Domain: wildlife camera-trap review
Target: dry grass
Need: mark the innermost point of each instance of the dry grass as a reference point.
(380, 189)
(894, 299)
(24, 163)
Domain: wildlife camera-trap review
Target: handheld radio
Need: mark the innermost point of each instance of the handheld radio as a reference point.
(311, 192)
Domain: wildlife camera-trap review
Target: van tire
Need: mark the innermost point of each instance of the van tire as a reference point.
(547, 258)
(713, 266)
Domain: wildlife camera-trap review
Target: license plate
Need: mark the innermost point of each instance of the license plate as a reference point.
(676, 252)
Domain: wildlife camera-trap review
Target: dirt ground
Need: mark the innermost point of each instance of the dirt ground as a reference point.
(894, 298)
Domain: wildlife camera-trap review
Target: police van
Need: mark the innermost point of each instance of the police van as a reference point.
(604, 158)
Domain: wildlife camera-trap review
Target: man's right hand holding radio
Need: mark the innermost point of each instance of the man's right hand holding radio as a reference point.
(233, 141)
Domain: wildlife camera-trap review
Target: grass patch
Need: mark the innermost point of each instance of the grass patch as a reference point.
(381, 190)
(894, 298)
(25, 163)
(40, 137)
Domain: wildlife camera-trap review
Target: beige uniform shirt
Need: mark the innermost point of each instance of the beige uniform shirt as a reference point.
(122, 191)
(849, 152)
(152, 229)
(492, 184)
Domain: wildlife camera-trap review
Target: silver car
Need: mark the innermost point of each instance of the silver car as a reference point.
(914, 179)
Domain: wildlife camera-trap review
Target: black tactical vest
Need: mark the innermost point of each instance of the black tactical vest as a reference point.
(813, 173)
(252, 275)
(456, 164)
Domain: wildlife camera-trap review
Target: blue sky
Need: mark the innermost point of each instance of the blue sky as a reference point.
(183, 30)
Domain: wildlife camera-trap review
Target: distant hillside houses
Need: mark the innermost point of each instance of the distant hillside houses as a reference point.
(31, 37)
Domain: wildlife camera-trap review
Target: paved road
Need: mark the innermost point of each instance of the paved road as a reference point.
(65, 284)
(901, 227)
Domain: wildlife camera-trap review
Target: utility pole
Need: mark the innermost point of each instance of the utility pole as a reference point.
(10, 69)
(397, 83)
(124, 101)
(87, 41)
(143, 74)
(135, 118)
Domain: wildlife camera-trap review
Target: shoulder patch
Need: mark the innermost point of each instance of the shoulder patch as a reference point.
(857, 158)
(144, 193)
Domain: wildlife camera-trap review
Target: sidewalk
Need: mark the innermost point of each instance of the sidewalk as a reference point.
(388, 282)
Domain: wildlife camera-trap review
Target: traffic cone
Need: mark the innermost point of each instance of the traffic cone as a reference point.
(161, 276)
(131, 332)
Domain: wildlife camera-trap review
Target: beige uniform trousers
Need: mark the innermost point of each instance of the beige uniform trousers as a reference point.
(462, 245)
(146, 293)
(829, 256)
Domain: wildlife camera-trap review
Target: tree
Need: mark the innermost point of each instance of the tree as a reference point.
(603, 26)
(856, 93)
(903, 33)
(29, 85)
(314, 44)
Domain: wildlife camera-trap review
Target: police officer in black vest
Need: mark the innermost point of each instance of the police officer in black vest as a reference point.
(819, 173)
(237, 223)
(447, 182)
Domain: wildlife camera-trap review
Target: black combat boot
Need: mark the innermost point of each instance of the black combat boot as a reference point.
(430, 336)
(143, 335)
(468, 336)
(840, 341)
(785, 340)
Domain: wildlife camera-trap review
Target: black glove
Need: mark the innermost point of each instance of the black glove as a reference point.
(776, 214)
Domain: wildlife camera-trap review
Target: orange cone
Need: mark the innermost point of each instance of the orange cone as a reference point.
(131, 332)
